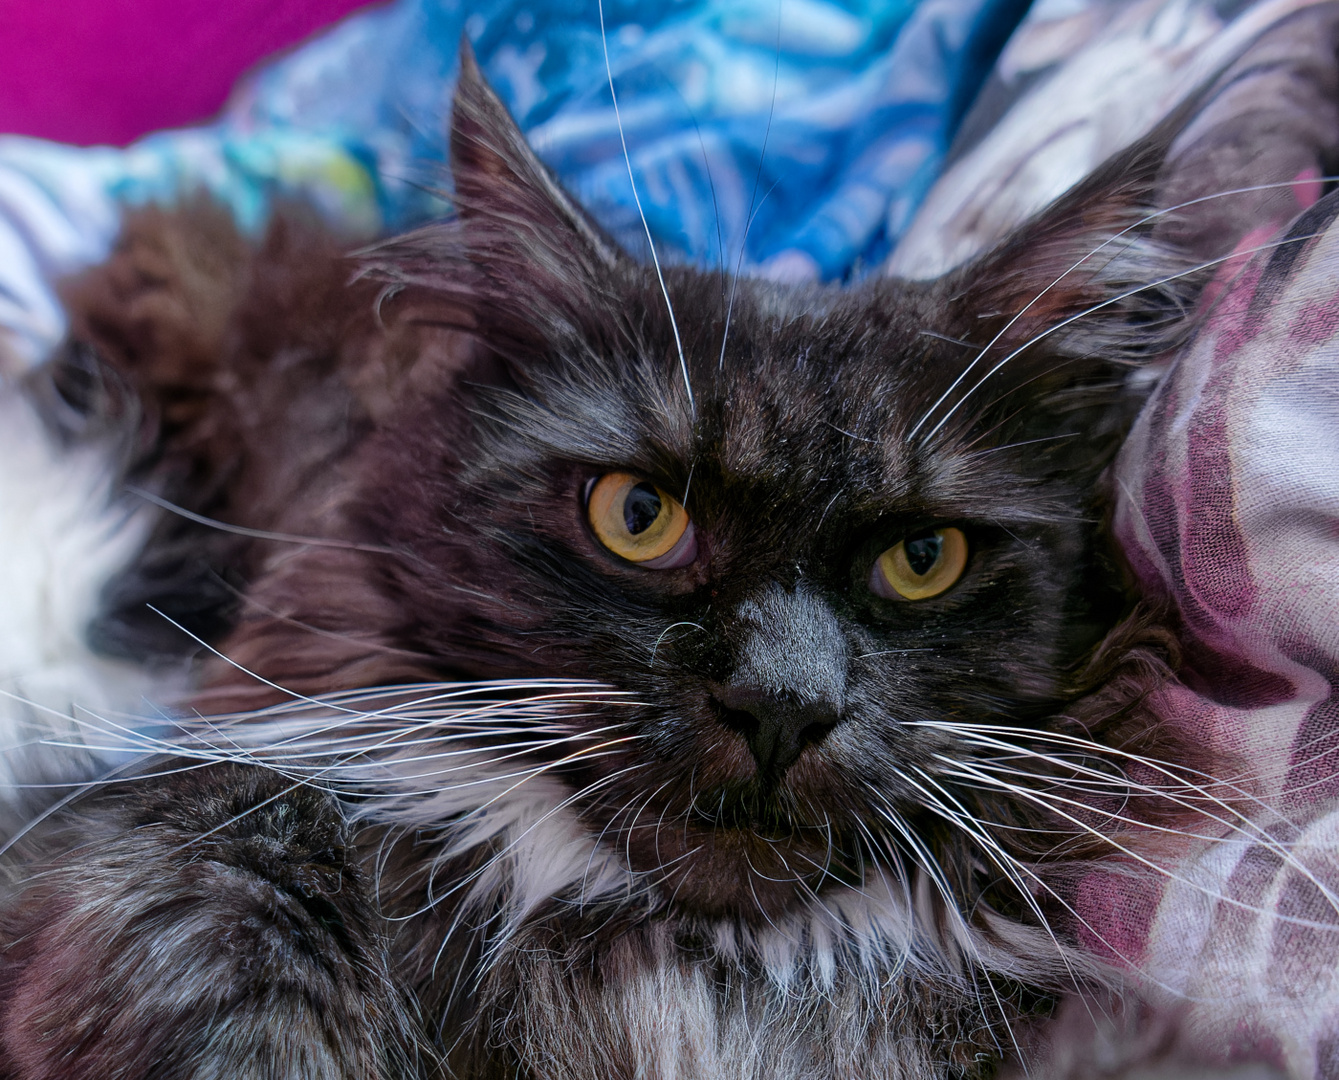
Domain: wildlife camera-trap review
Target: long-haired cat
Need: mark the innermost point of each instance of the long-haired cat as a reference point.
(609, 670)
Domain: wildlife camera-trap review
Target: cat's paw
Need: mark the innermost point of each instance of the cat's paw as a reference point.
(208, 924)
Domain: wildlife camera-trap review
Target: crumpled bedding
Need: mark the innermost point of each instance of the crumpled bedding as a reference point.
(1227, 491)
(1230, 509)
(797, 146)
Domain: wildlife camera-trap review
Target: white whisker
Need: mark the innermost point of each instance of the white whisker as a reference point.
(1070, 320)
(1243, 826)
(981, 734)
(753, 196)
(656, 646)
(636, 198)
(1011, 867)
(1049, 803)
(262, 534)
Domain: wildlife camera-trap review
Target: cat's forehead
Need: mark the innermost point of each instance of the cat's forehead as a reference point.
(793, 411)
(788, 392)
(816, 381)
(777, 392)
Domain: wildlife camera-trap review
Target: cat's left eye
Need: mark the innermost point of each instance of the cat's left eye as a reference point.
(640, 522)
(920, 566)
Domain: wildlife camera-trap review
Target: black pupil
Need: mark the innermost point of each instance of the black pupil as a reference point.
(641, 508)
(923, 553)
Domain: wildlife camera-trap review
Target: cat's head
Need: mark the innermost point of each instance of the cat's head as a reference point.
(793, 524)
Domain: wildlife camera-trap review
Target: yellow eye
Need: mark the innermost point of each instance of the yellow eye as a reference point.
(636, 520)
(921, 566)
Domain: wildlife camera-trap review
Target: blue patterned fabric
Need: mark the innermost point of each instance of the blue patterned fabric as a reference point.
(787, 137)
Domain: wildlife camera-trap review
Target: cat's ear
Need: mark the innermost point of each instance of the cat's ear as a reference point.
(521, 263)
(505, 193)
(1091, 275)
(1053, 321)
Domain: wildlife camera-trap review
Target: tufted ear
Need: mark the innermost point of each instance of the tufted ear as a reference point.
(1112, 271)
(520, 264)
(1090, 275)
(504, 192)
(1053, 320)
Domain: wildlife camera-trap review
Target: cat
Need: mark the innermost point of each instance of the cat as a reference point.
(607, 668)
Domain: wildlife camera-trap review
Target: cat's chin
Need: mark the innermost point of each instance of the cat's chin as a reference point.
(738, 872)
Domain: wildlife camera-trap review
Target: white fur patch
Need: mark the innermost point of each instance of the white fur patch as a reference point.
(62, 536)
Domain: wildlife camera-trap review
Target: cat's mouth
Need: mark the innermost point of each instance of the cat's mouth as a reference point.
(752, 843)
(719, 828)
(750, 809)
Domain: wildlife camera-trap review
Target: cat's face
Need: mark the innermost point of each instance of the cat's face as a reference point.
(791, 524)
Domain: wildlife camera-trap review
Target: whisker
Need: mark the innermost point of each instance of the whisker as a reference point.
(636, 198)
(493, 753)
(599, 839)
(656, 646)
(489, 957)
(1007, 864)
(229, 661)
(958, 929)
(711, 185)
(1249, 829)
(849, 434)
(245, 597)
(980, 733)
(983, 730)
(1022, 442)
(753, 195)
(1147, 219)
(437, 789)
(973, 827)
(925, 859)
(261, 534)
(739, 263)
(945, 337)
(1050, 804)
(1206, 265)
(584, 792)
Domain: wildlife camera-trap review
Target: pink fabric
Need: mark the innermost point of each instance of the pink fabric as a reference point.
(1230, 507)
(108, 71)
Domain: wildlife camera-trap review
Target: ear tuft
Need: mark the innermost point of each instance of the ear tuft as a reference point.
(1089, 275)
(492, 166)
(1059, 313)
(521, 264)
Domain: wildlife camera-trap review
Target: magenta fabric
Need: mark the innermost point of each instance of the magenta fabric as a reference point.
(108, 71)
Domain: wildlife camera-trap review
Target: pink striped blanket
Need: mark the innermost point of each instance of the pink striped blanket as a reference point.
(1229, 506)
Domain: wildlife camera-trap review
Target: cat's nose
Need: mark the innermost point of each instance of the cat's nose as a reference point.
(788, 688)
(776, 729)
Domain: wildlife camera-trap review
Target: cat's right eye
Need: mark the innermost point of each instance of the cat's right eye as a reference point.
(640, 522)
